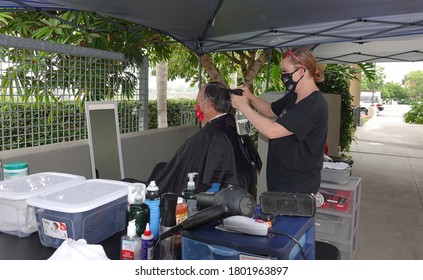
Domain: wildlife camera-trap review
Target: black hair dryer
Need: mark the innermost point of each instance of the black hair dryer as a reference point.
(230, 201)
(236, 201)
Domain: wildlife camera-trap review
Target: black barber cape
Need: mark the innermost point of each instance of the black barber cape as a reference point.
(218, 154)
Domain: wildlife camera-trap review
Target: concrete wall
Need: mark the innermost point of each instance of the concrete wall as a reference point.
(140, 151)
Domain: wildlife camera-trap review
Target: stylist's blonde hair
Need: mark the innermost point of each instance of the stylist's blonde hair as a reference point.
(304, 58)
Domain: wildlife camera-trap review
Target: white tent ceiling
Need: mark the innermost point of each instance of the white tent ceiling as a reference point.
(338, 31)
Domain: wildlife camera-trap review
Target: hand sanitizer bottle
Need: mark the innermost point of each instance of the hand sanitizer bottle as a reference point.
(189, 194)
(130, 243)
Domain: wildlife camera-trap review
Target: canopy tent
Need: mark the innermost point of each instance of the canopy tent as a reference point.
(339, 31)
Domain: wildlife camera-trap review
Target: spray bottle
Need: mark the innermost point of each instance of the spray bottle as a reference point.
(243, 126)
(130, 244)
(138, 210)
(189, 194)
(147, 244)
(152, 198)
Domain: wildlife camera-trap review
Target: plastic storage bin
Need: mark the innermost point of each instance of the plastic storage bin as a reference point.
(335, 226)
(93, 210)
(336, 176)
(340, 198)
(209, 243)
(337, 221)
(16, 217)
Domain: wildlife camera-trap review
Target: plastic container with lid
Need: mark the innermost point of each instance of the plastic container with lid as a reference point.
(15, 169)
(16, 217)
(93, 210)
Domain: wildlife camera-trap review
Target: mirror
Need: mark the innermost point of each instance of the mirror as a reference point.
(104, 140)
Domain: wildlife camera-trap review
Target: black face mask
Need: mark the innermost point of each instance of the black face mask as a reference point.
(288, 82)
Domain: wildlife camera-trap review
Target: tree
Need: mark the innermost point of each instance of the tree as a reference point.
(161, 81)
(85, 29)
(413, 83)
(393, 91)
(337, 81)
(250, 66)
(375, 81)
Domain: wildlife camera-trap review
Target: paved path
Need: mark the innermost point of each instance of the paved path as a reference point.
(388, 155)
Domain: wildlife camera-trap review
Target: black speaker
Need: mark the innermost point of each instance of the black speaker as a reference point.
(288, 204)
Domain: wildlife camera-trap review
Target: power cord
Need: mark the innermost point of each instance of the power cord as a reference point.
(155, 248)
(293, 239)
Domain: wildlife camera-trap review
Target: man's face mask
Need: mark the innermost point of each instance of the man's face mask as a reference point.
(198, 112)
(289, 83)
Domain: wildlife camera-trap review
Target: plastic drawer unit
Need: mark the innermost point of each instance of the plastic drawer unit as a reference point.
(337, 220)
(16, 217)
(93, 210)
(209, 243)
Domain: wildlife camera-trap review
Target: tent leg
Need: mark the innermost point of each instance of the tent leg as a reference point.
(269, 58)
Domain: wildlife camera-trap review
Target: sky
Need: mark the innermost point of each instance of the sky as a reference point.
(395, 71)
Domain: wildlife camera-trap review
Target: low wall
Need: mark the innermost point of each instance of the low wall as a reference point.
(140, 151)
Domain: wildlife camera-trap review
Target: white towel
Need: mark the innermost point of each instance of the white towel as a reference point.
(79, 250)
(335, 165)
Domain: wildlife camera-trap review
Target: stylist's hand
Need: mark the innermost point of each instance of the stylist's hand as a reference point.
(241, 102)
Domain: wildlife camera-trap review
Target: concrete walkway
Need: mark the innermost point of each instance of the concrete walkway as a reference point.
(388, 156)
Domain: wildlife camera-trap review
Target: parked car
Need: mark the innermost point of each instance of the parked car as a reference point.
(364, 107)
(380, 107)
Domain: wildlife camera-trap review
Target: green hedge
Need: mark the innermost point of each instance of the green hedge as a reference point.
(174, 108)
(34, 124)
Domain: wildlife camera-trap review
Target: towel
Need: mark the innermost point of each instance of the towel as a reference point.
(335, 165)
(79, 250)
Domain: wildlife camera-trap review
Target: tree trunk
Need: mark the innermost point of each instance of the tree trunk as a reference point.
(250, 65)
(254, 69)
(212, 70)
(161, 83)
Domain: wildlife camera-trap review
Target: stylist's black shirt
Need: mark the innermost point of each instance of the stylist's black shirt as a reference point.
(294, 163)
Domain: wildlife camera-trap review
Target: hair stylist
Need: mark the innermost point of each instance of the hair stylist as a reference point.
(298, 135)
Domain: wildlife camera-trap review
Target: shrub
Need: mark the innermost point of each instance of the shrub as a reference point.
(415, 115)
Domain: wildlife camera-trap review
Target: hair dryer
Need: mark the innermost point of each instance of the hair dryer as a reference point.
(230, 201)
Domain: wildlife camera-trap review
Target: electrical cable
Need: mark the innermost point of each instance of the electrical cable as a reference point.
(155, 248)
(293, 239)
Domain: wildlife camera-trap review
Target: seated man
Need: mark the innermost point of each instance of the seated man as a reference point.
(217, 153)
